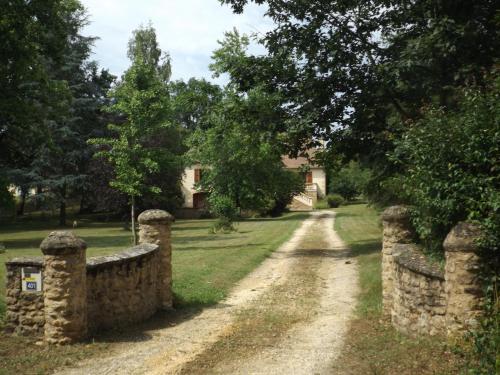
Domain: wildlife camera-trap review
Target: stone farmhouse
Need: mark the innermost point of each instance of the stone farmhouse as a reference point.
(315, 184)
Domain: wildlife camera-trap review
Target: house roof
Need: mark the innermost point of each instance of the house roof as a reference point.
(294, 163)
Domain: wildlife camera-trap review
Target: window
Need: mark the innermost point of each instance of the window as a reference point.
(309, 178)
(197, 175)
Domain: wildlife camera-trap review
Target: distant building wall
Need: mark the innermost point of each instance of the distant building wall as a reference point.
(319, 178)
(187, 186)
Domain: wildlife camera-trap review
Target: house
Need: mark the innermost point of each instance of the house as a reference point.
(193, 197)
(315, 180)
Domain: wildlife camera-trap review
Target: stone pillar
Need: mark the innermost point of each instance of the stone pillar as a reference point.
(397, 229)
(154, 228)
(65, 288)
(462, 285)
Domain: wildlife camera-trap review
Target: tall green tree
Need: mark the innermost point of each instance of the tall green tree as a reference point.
(355, 72)
(142, 99)
(240, 144)
(242, 158)
(33, 36)
(192, 101)
(57, 165)
(35, 39)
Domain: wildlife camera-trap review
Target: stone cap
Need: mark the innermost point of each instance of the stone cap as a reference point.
(411, 256)
(155, 217)
(62, 242)
(398, 213)
(128, 255)
(31, 261)
(463, 237)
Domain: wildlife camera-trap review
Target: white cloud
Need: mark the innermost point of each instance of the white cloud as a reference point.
(187, 29)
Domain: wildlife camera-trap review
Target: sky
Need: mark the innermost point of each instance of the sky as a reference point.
(187, 29)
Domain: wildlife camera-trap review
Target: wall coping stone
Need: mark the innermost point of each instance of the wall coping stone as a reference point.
(411, 257)
(25, 261)
(398, 213)
(124, 256)
(463, 237)
(155, 217)
(62, 242)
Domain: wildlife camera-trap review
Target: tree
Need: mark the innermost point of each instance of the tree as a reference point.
(142, 99)
(35, 39)
(192, 101)
(242, 158)
(355, 72)
(350, 181)
(33, 36)
(240, 145)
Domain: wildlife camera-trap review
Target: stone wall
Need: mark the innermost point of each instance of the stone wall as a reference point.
(82, 296)
(121, 288)
(421, 298)
(419, 304)
(25, 310)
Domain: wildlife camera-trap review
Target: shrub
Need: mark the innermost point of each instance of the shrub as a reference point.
(334, 200)
(290, 184)
(321, 204)
(452, 168)
(350, 181)
(225, 210)
(451, 159)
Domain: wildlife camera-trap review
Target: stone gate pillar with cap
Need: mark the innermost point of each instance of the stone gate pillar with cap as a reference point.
(155, 228)
(463, 288)
(397, 230)
(65, 288)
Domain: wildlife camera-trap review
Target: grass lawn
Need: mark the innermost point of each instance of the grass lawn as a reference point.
(205, 267)
(372, 345)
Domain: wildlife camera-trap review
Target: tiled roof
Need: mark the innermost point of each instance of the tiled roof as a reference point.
(301, 160)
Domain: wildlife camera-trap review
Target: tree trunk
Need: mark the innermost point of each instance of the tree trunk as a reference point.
(132, 216)
(20, 209)
(38, 200)
(62, 207)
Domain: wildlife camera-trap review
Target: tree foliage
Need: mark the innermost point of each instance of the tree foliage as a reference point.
(353, 72)
(242, 161)
(350, 181)
(452, 166)
(192, 101)
(142, 100)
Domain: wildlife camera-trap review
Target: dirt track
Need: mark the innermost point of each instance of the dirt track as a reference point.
(289, 316)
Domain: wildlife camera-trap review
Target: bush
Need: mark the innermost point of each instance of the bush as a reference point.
(225, 210)
(290, 184)
(451, 159)
(321, 204)
(350, 181)
(334, 200)
(452, 168)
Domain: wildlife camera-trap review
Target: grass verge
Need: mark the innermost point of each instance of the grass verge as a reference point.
(372, 345)
(205, 267)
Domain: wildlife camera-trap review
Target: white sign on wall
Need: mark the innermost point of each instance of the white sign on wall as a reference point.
(31, 279)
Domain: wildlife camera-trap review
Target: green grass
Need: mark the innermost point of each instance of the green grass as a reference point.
(359, 226)
(205, 265)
